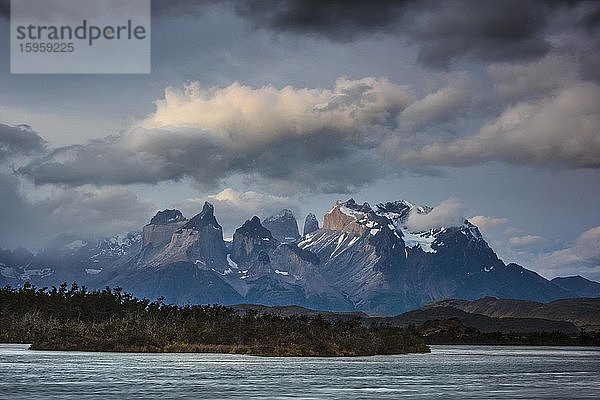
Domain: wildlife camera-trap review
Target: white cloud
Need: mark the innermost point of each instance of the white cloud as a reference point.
(525, 241)
(559, 130)
(580, 258)
(244, 115)
(448, 213)
(485, 223)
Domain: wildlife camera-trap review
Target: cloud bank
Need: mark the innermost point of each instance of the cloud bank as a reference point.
(559, 130)
(314, 139)
(525, 241)
(330, 140)
(582, 257)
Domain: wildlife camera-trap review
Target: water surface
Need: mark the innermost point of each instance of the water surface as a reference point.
(448, 372)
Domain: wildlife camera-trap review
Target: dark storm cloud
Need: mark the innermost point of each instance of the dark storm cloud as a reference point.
(4, 9)
(484, 30)
(324, 162)
(592, 19)
(18, 140)
(590, 66)
(337, 20)
(161, 8)
(488, 30)
(99, 162)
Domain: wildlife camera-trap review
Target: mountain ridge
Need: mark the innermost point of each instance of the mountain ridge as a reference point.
(364, 258)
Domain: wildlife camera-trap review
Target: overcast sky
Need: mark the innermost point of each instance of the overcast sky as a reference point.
(490, 109)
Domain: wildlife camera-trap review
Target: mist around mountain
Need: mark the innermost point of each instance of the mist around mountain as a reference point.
(382, 260)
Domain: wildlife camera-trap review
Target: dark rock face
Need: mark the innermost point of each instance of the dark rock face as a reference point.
(283, 226)
(252, 240)
(167, 217)
(578, 286)
(205, 218)
(310, 224)
(301, 254)
(18, 257)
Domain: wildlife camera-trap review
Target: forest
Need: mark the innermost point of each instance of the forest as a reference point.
(75, 318)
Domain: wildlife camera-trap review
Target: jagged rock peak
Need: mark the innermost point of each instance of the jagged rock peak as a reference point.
(400, 209)
(283, 226)
(167, 217)
(204, 218)
(310, 224)
(285, 213)
(252, 228)
(252, 241)
(351, 204)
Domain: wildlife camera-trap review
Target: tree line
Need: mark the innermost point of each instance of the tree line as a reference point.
(75, 318)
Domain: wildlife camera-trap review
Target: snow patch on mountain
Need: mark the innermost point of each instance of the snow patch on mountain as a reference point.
(75, 244)
(92, 271)
(230, 262)
(423, 240)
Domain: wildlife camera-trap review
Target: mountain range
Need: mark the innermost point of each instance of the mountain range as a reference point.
(363, 258)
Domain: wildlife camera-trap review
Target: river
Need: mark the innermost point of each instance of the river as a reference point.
(448, 372)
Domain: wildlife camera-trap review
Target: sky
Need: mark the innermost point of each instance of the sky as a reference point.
(488, 110)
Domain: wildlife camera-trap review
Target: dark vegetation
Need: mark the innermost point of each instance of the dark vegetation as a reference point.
(73, 318)
(453, 331)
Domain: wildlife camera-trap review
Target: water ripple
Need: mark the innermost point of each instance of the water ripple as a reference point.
(465, 372)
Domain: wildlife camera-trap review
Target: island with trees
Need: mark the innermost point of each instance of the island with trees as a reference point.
(74, 318)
